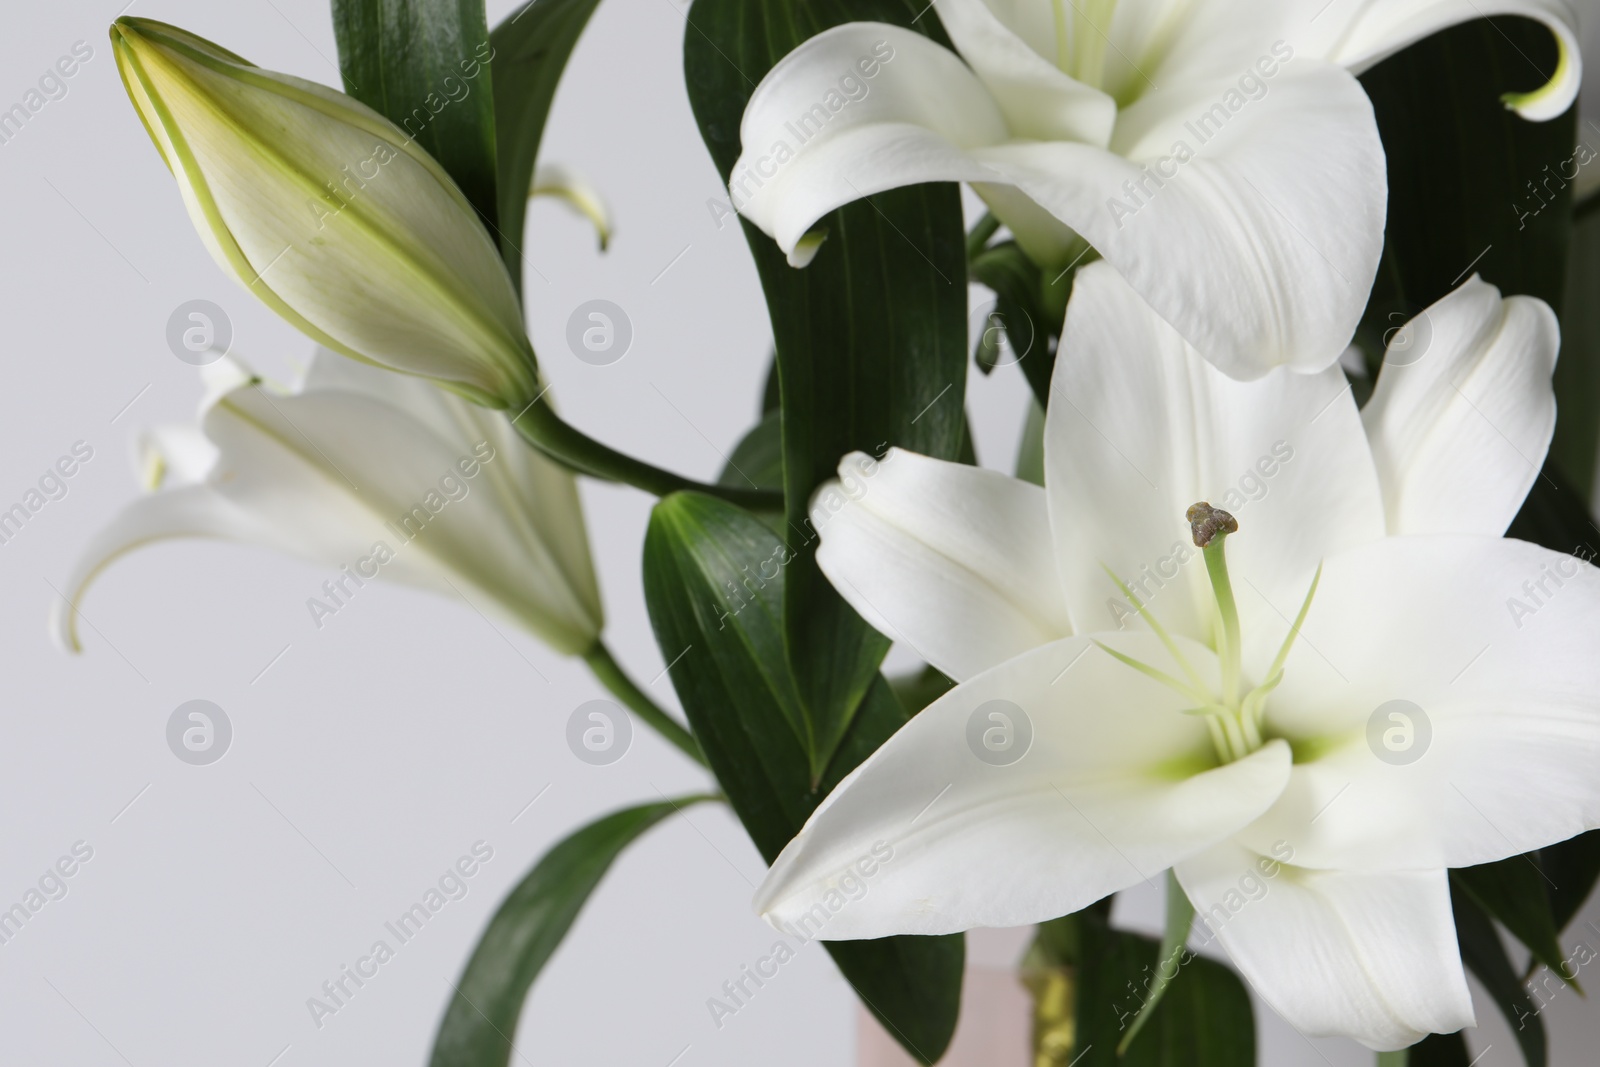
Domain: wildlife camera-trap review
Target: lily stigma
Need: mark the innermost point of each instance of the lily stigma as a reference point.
(1235, 722)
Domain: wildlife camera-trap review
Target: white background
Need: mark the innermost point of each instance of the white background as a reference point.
(371, 754)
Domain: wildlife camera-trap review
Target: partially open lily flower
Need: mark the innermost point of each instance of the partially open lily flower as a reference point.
(375, 476)
(1362, 685)
(1220, 153)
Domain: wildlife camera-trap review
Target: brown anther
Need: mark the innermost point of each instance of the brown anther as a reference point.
(1209, 523)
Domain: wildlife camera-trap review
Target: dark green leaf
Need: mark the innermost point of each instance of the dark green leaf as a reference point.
(421, 64)
(482, 1016)
(1204, 1020)
(1485, 955)
(713, 579)
(1573, 868)
(1440, 1050)
(871, 337)
(1462, 170)
(1029, 308)
(1577, 442)
(531, 49)
(1514, 893)
(757, 462)
(917, 690)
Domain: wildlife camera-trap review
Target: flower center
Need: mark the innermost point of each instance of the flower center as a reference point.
(1082, 36)
(1234, 718)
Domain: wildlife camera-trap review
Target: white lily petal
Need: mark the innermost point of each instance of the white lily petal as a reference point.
(812, 145)
(1367, 956)
(1114, 788)
(1140, 427)
(1464, 411)
(1039, 101)
(173, 456)
(1490, 642)
(572, 188)
(189, 511)
(345, 460)
(1373, 31)
(953, 560)
(1254, 265)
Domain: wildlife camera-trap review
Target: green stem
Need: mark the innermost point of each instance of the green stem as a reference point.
(1394, 1059)
(611, 675)
(978, 239)
(1217, 569)
(541, 427)
(1180, 915)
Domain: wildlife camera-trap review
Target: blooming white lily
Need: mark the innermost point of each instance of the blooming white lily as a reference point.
(368, 473)
(330, 214)
(1219, 725)
(1218, 152)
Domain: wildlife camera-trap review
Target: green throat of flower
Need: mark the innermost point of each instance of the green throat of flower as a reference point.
(1234, 716)
(1082, 35)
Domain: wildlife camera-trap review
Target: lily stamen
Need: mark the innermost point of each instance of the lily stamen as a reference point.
(1234, 722)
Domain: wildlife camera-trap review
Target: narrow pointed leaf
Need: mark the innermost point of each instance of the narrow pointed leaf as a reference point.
(482, 1017)
(1513, 892)
(1485, 956)
(425, 66)
(531, 49)
(714, 584)
(1499, 214)
(1204, 1018)
(871, 337)
(1573, 868)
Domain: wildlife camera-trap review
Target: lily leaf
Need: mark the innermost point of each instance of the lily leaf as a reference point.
(424, 65)
(1513, 892)
(757, 462)
(871, 337)
(531, 49)
(714, 585)
(1576, 446)
(1469, 187)
(526, 931)
(1573, 868)
(1485, 955)
(1203, 1020)
(1440, 1050)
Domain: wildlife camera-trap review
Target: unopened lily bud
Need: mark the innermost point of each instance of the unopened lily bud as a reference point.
(330, 214)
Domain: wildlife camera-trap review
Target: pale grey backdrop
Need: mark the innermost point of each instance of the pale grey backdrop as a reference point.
(368, 756)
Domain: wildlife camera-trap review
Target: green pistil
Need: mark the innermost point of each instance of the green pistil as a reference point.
(1233, 722)
(1063, 37)
(1091, 35)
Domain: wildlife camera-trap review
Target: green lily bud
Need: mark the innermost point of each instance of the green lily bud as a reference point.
(328, 213)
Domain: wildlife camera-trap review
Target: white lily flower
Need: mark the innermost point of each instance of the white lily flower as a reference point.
(1219, 153)
(1210, 731)
(330, 214)
(369, 474)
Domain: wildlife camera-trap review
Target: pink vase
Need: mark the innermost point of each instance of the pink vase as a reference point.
(994, 1028)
